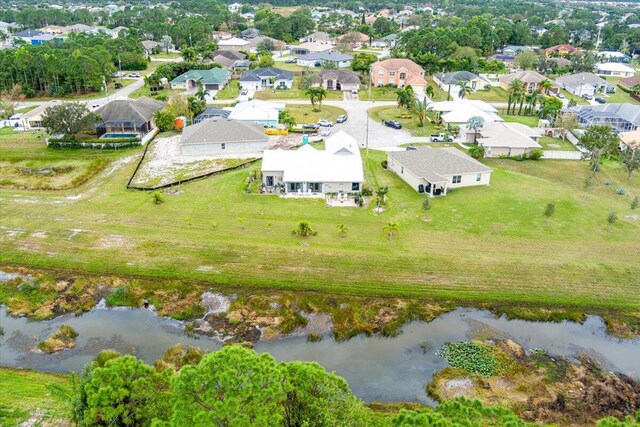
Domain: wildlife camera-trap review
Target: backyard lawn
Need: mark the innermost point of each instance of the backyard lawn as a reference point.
(531, 121)
(574, 259)
(294, 93)
(74, 97)
(556, 144)
(304, 113)
(24, 391)
(389, 93)
(495, 94)
(405, 118)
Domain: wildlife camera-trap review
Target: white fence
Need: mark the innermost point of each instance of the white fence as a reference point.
(562, 155)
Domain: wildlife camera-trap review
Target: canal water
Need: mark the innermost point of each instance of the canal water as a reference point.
(377, 369)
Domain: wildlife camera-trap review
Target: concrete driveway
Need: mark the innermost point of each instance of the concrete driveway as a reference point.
(358, 123)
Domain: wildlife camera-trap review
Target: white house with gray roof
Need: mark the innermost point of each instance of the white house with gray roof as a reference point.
(338, 60)
(225, 137)
(584, 84)
(436, 170)
(503, 139)
(266, 78)
(450, 82)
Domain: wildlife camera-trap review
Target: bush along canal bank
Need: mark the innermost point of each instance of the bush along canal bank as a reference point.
(247, 315)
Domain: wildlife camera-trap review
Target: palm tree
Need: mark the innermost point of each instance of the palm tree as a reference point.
(312, 94)
(321, 94)
(421, 110)
(532, 99)
(202, 92)
(195, 107)
(515, 89)
(342, 231)
(188, 54)
(465, 89)
(636, 90)
(391, 228)
(545, 86)
(475, 123)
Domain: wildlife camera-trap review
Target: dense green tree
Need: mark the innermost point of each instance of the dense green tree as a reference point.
(526, 59)
(126, 392)
(362, 61)
(599, 141)
(230, 387)
(69, 119)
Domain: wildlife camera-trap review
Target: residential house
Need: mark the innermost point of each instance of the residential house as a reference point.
(151, 46)
(250, 33)
(235, 7)
(461, 110)
(33, 119)
(115, 32)
(27, 35)
(531, 80)
(223, 137)
(336, 169)
(337, 80)
(227, 58)
(503, 139)
(54, 29)
(355, 37)
(611, 56)
(335, 59)
(264, 113)
(385, 42)
(254, 43)
(629, 82)
(436, 170)
(514, 50)
(266, 78)
(128, 116)
(584, 84)
(212, 113)
(621, 117)
(43, 38)
(560, 62)
(233, 43)
(508, 60)
(399, 72)
(615, 69)
(221, 35)
(212, 80)
(561, 50)
(450, 82)
(318, 37)
(310, 47)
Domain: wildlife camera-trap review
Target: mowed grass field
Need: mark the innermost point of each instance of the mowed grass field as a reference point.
(489, 245)
(24, 391)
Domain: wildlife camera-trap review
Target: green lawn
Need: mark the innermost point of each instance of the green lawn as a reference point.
(619, 96)
(290, 66)
(26, 109)
(305, 114)
(26, 163)
(578, 99)
(556, 144)
(231, 91)
(24, 391)
(110, 91)
(484, 245)
(389, 93)
(403, 116)
(531, 121)
(495, 94)
(145, 91)
(164, 55)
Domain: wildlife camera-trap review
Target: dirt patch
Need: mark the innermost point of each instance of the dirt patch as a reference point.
(63, 338)
(544, 389)
(113, 241)
(164, 164)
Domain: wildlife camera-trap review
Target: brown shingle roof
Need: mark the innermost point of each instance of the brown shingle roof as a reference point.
(629, 82)
(394, 64)
(435, 164)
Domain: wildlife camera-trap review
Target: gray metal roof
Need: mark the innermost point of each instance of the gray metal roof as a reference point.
(326, 56)
(223, 131)
(455, 77)
(212, 113)
(436, 164)
(574, 80)
(266, 73)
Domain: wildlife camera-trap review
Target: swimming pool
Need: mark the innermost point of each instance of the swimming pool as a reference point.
(119, 135)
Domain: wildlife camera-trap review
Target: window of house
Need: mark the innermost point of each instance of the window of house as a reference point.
(269, 180)
(457, 179)
(223, 146)
(381, 73)
(355, 186)
(478, 177)
(403, 76)
(315, 187)
(401, 169)
(392, 73)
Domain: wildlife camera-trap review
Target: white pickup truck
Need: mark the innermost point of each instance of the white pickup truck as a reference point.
(441, 137)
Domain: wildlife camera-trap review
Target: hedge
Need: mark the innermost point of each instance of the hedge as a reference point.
(111, 143)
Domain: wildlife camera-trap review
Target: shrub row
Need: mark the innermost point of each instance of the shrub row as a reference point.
(112, 143)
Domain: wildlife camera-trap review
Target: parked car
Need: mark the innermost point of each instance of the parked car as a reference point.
(291, 60)
(325, 131)
(310, 126)
(354, 91)
(323, 122)
(244, 92)
(441, 137)
(412, 148)
(600, 100)
(118, 85)
(560, 95)
(392, 124)
(95, 107)
(341, 118)
(587, 97)
(134, 75)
